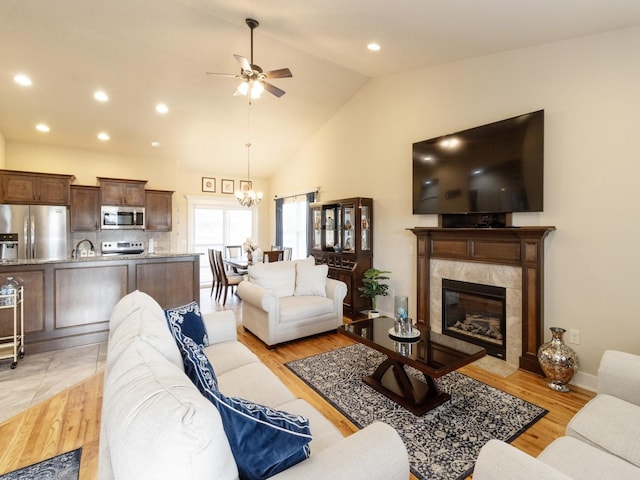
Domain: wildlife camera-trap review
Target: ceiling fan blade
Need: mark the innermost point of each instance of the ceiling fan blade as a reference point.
(273, 89)
(280, 73)
(223, 74)
(244, 63)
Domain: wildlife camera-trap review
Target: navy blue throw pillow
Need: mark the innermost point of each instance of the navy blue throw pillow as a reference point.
(264, 441)
(186, 320)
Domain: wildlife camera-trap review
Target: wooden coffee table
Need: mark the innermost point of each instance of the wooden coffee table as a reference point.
(431, 353)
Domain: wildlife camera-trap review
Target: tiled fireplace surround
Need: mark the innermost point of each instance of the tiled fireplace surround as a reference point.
(512, 258)
(497, 275)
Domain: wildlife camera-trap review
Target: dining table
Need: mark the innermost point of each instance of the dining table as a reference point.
(239, 264)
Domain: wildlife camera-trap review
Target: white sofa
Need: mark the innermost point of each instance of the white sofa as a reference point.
(285, 301)
(157, 425)
(602, 440)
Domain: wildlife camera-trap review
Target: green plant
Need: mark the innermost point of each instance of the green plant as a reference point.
(372, 287)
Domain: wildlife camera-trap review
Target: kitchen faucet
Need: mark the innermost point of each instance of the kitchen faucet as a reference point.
(74, 252)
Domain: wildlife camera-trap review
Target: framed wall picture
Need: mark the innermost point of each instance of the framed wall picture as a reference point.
(208, 184)
(245, 185)
(226, 186)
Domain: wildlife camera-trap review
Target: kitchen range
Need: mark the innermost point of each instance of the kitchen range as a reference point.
(122, 248)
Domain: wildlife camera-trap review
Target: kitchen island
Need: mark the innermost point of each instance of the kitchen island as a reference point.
(68, 303)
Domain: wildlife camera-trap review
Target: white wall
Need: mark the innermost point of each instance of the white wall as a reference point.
(2, 150)
(589, 90)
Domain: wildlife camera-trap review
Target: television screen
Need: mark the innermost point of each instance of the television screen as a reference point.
(494, 168)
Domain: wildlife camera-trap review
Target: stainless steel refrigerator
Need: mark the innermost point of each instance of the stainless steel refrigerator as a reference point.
(42, 230)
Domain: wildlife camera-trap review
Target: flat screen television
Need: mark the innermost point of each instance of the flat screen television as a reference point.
(494, 168)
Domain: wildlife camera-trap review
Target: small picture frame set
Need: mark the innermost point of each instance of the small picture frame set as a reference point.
(226, 186)
(245, 185)
(209, 184)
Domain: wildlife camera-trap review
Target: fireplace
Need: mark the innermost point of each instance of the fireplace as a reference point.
(475, 313)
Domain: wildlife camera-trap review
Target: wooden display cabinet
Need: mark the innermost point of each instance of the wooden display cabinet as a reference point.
(341, 237)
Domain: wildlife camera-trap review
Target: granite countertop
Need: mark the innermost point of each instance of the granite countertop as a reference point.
(97, 258)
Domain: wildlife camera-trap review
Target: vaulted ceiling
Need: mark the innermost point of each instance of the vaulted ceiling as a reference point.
(145, 52)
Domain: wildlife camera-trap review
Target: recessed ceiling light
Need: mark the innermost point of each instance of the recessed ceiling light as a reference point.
(374, 47)
(162, 108)
(22, 79)
(101, 96)
(103, 136)
(156, 144)
(41, 127)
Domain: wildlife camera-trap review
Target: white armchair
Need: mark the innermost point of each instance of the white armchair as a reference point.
(284, 301)
(602, 440)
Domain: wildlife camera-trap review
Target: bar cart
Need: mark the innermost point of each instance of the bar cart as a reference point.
(13, 346)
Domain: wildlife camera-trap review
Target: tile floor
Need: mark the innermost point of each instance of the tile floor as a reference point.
(39, 376)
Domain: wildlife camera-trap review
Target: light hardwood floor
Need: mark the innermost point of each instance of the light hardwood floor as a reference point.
(71, 419)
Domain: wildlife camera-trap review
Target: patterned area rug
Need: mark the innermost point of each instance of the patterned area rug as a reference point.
(442, 444)
(62, 467)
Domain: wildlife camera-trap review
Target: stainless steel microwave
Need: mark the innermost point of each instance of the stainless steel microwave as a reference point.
(122, 218)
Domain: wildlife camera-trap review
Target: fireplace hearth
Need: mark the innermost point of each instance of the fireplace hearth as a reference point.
(475, 313)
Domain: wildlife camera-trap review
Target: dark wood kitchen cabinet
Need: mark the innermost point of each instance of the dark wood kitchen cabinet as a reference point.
(158, 210)
(85, 208)
(116, 191)
(35, 188)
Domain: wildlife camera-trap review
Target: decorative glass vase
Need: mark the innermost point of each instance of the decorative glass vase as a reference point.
(249, 257)
(559, 362)
(400, 307)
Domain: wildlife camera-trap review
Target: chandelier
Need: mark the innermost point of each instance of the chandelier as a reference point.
(246, 196)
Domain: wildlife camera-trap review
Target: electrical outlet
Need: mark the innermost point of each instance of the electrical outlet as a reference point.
(574, 336)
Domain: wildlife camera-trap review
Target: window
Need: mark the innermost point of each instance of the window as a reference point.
(292, 214)
(214, 223)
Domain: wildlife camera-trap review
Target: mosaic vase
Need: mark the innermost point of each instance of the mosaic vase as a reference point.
(559, 362)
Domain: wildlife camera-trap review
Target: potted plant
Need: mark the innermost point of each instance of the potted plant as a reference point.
(373, 287)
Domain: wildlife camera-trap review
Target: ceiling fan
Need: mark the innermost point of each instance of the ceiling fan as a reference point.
(253, 78)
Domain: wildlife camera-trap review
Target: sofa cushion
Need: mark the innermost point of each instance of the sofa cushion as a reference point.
(130, 302)
(228, 356)
(296, 308)
(142, 322)
(325, 433)
(255, 382)
(277, 277)
(157, 424)
(610, 424)
(186, 320)
(580, 460)
(311, 280)
(264, 441)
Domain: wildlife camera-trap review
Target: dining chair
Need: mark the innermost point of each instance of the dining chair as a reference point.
(287, 253)
(273, 256)
(232, 251)
(227, 281)
(215, 283)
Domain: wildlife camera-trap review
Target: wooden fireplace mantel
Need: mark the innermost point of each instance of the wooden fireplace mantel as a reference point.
(516, 246)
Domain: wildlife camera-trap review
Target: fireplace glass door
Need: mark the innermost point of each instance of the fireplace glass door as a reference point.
(475, 313)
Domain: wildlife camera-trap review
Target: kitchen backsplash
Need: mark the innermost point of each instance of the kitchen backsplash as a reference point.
(161, 240)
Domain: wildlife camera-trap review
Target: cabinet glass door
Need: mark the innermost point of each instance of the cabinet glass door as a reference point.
(365, 220)
(316, 215)
(347, 228)
(330, 228)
